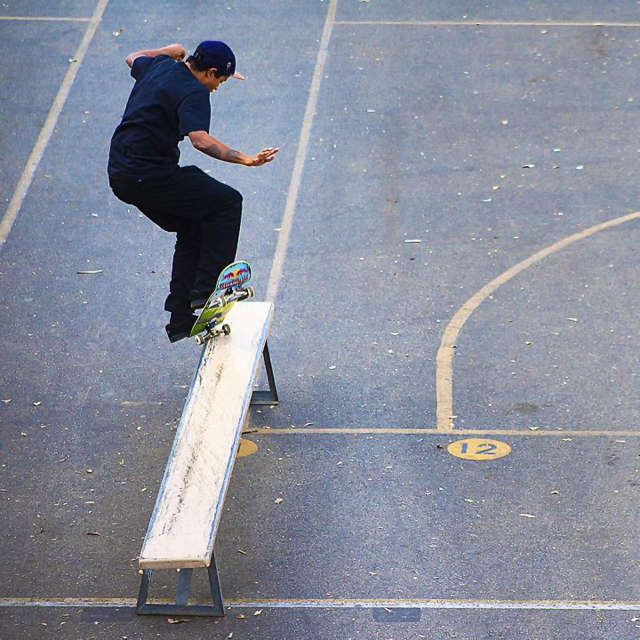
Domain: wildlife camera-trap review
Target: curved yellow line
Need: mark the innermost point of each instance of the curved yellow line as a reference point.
(444, 359)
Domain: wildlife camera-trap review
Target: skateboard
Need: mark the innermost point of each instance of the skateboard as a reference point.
(229, 289)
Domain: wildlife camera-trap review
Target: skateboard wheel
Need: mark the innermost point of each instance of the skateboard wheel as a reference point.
(199, 339)
(250, 292)
(226, 329)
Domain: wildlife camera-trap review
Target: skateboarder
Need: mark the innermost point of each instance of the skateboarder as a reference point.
(170, 100)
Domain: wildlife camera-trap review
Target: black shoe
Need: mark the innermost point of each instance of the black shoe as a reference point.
(199, 298)
(199, 302)
(179, 328)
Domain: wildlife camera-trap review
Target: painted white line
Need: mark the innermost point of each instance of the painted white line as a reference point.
(344, 603)
(444, 358)
(486, 23)
(303, 145)
(46, 18)
(37, 152)
(381, 431)
(63, 603)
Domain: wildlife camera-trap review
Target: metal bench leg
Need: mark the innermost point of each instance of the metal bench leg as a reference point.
(184, 587)
(143, 594)
(214, 586)
(181, 607)
(271, 395)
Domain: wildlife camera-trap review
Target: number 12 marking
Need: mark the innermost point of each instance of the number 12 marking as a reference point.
(477, 449)
(484, 448)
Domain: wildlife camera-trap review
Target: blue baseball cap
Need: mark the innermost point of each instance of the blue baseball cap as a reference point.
(214, 53)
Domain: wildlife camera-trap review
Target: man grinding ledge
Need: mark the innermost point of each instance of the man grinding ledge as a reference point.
(170, 100)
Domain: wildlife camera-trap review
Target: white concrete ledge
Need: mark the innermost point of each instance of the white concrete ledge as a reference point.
(187, 512)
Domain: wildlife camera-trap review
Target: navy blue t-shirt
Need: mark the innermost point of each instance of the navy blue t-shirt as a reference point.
(166, 103)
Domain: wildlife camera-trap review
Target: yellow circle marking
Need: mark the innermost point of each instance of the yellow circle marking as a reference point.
(479, 449)
(247, 448)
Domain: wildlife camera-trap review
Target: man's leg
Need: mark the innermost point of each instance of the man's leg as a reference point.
(217, 210)
(210, 210)
(209, 214)
(219, 233)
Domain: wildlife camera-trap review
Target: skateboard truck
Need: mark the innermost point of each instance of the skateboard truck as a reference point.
(213, 328)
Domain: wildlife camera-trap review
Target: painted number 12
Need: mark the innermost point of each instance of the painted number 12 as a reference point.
(481, 449)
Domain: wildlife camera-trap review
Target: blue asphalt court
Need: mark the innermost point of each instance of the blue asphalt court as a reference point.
(449, 236)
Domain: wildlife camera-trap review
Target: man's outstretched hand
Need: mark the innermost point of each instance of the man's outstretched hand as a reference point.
(262, 157)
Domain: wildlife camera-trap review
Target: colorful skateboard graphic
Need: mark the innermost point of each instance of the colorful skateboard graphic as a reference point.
(229, 289)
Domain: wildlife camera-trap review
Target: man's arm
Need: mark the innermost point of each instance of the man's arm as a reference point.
(214, 148)
(176, 51)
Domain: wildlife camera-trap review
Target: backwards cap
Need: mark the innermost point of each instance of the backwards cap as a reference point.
(213, 53)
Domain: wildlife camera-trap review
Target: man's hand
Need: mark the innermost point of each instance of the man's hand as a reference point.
(262, 157)
(176, 51)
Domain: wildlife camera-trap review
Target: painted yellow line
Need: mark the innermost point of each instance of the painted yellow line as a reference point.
(487, 23)
(379, 431)
(435, 603)
(46, 18)
(298, 167)
(46, 132)
(343, 603)
(444, 358)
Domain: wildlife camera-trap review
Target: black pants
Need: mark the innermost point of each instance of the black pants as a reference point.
(204, 213)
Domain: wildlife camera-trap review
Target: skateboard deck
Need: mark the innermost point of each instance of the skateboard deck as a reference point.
(229, 289)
